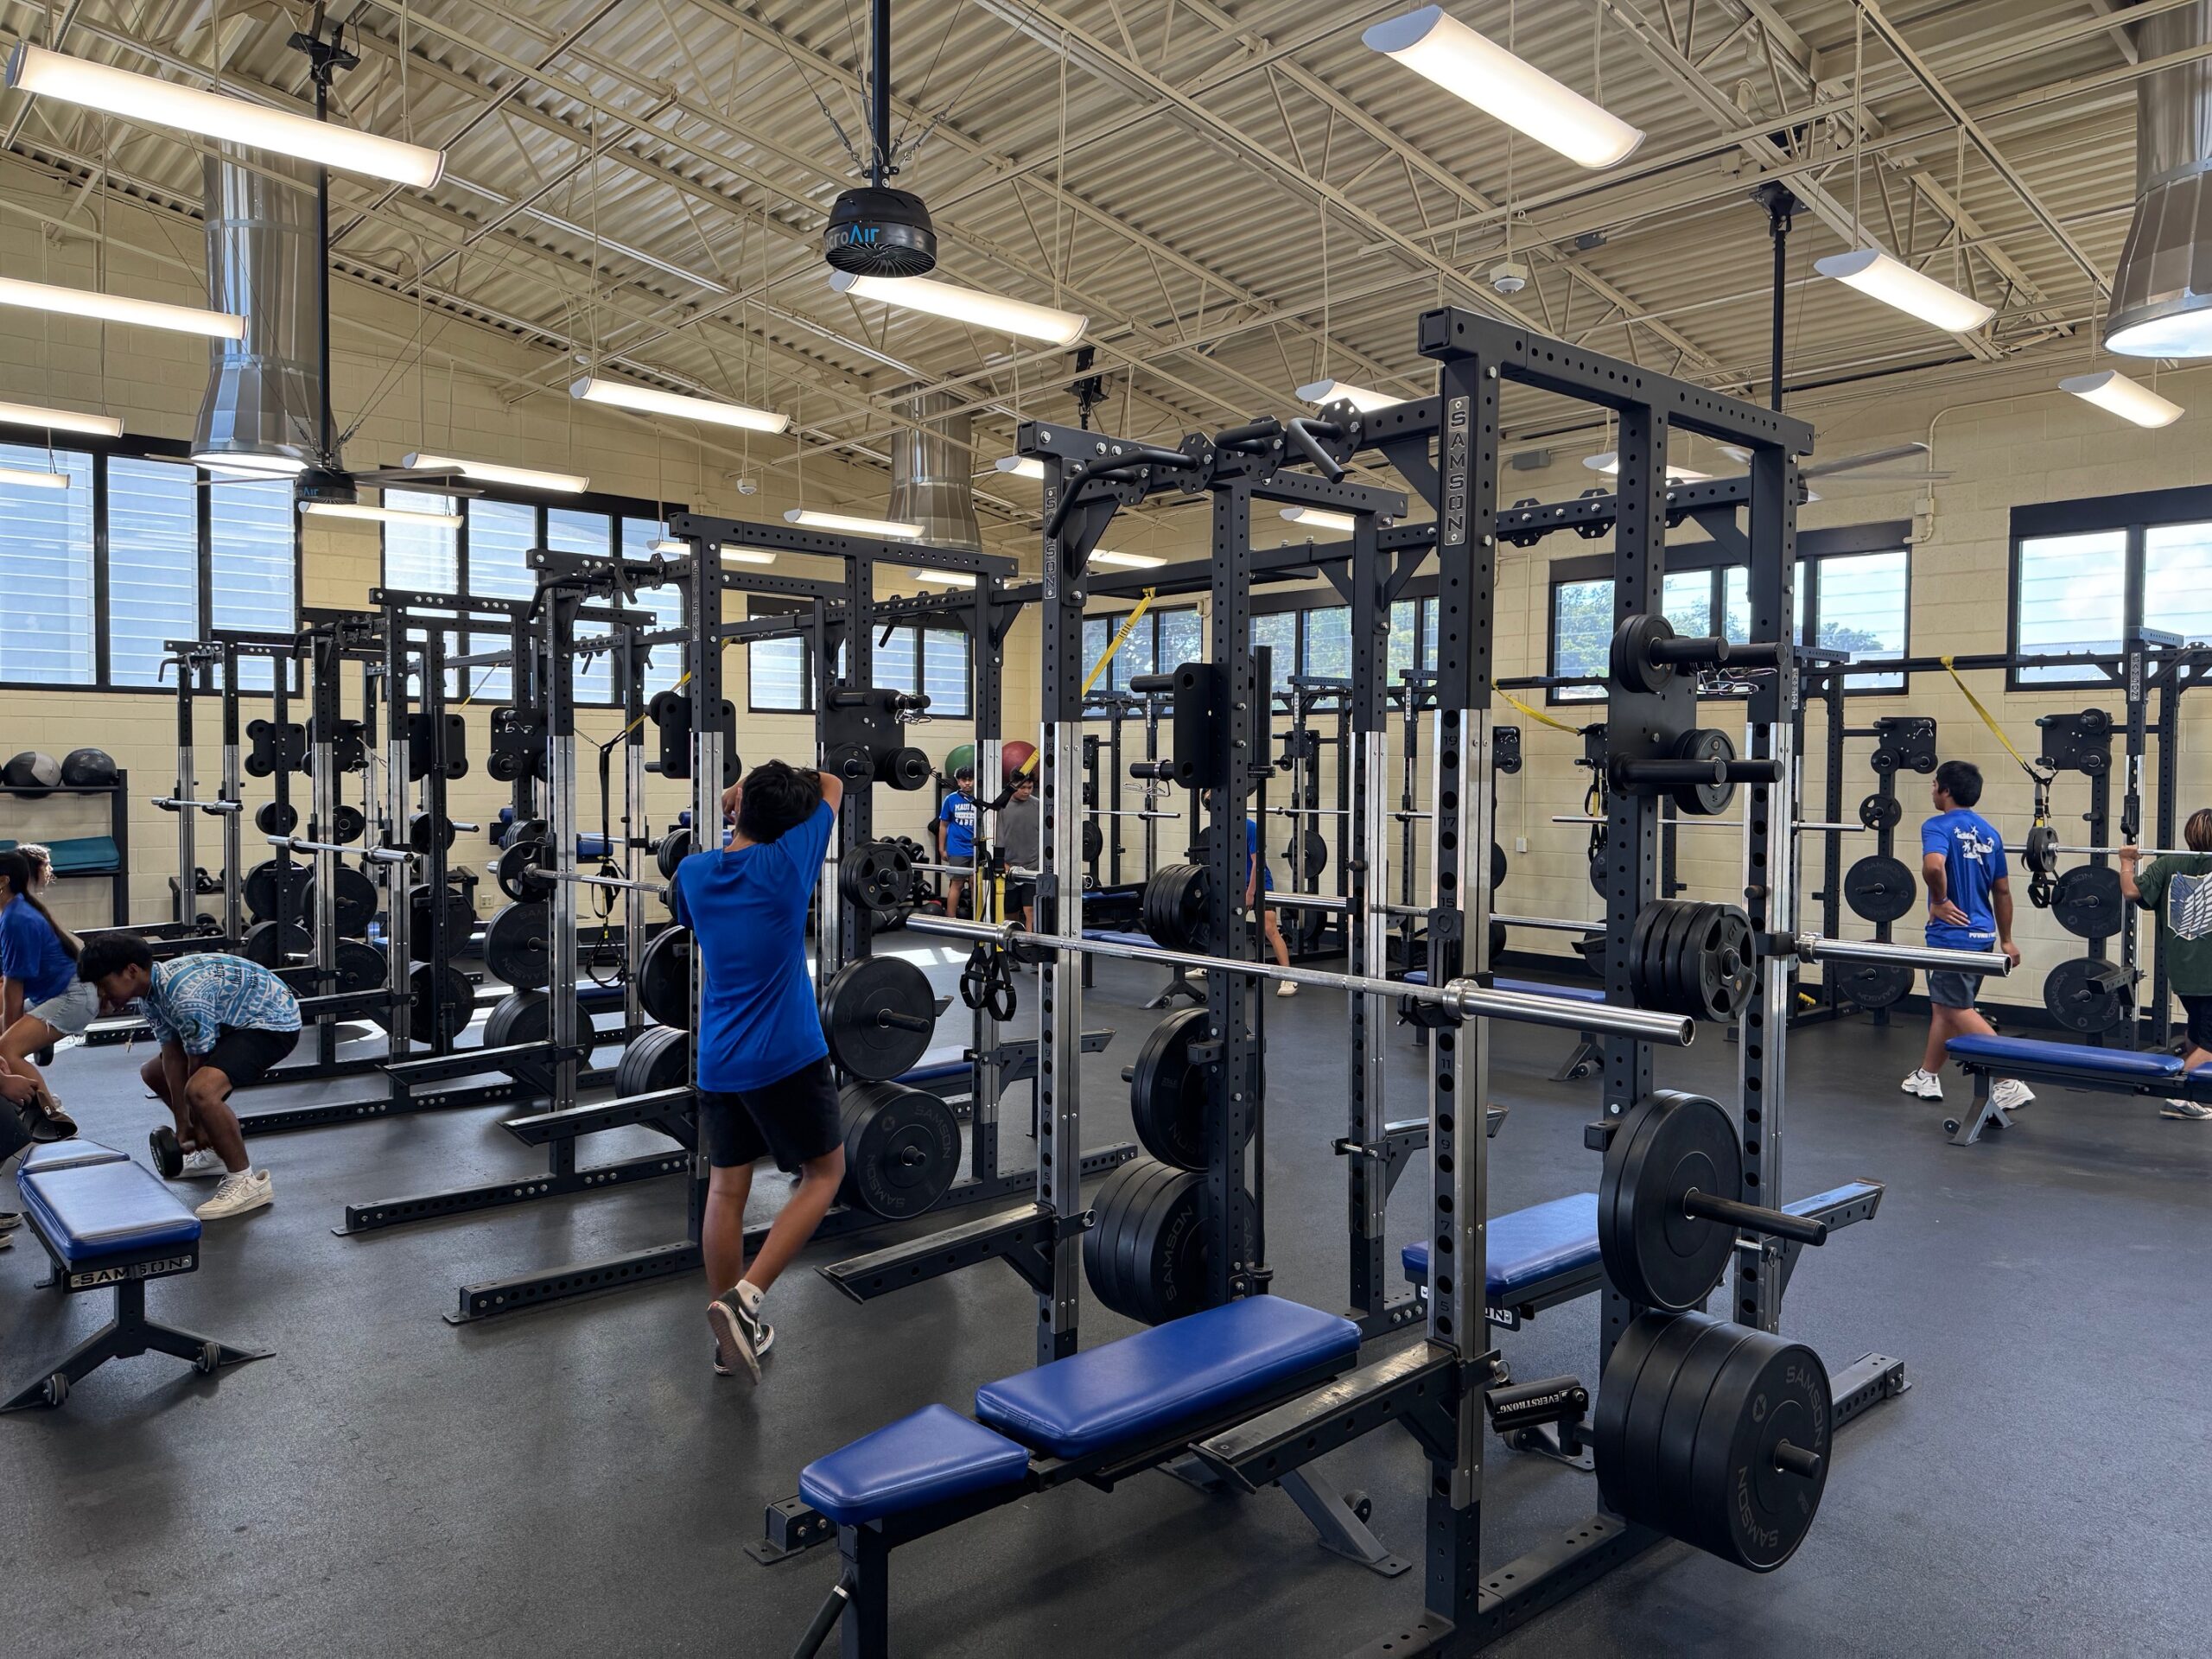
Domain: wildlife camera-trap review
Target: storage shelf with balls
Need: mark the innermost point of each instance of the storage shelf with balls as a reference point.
(80, 857)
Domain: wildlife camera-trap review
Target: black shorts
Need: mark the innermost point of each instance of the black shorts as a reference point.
(793, 1120)
(245, 1053)
(1021, 895)
(2199, 1009)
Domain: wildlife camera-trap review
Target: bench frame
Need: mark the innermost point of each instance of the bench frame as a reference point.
(1965, 1129)
(130, 1333)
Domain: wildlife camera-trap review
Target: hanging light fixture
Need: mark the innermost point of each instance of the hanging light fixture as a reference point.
(1319, 519)
(521, 478)
(1609, 462)
(946, 578)
(814, 520)
(1894, 283)
(153, 102)
(23, 478)
(114, 308)
(1021, 466)
(2113, 392)
(1477, 68)
(61, 419)
(676, 549)
(650, 400)
(1363, 398)
(972, 306)
(240, 463)
(382, 515)
(1132, 560)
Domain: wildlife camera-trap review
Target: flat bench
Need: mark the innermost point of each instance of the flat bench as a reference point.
(2071, 1065)
(108, 1224)
(1179, 977)
(1581, 1060)
(1543, 1255)
(1097, 1416)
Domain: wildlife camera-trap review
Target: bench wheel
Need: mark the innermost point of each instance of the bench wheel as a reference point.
(209, 1358)
(1361, 1505)
(57, 1388)
(1950, 1126)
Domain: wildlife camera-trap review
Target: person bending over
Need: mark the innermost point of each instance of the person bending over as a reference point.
(41, 999)
(956, 835)
(222, 1023)
(764, 1085)
(2175, 889)
(1255, 873)
(1970, 908)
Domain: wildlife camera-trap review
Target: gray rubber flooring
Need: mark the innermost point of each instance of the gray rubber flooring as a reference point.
(575, 1480)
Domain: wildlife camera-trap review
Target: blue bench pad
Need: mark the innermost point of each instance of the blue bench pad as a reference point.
(68, 1154)
(1106, 936)
(102, 1210)
(1526, 988)
(934, 1455)
(1124, 1391)
(1996, 1052)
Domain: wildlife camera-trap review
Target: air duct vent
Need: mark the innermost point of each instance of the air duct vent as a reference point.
(931, 466)
(265, 391)
(2162, 292)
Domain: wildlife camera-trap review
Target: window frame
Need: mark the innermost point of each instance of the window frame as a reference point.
(2133, 515)
(132, 447)
(1148, 627)
(922, 627)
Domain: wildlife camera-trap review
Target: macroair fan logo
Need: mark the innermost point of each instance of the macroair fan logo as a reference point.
(2189, 906)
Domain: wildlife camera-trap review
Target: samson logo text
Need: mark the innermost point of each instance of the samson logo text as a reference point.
(92, 1278)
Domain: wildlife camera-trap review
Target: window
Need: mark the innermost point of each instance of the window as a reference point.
(665, 664)
(1582, 635)
(1277, 631)
(2070, 594)
(944, 673)
(777, 677)
(46, 538)
(2086, 575)
(1325, 652)
(153, 564)
(1861, 603)
(1161, 642)
(252, 542)
(1180, 638)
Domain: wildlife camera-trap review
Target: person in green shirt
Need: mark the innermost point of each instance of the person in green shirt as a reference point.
(2177, 888)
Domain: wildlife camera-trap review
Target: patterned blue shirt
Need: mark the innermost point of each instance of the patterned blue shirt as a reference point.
(194, 997)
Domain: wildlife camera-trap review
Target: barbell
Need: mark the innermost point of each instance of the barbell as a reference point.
(176, 804)
(1718, 823)
(374, 855)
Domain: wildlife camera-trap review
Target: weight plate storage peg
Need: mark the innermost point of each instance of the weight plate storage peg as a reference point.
(2082, 995)
(1169, 1092)
(2088, 902)
(660, 1059)
(527, 1017)
(1714, 1433)
(519, 945)
(422, 829)
(665, 978)
(1878, 887)
(1879, 811)
(904, 769)
(902, 1148)
(878, 1016)
(356, 900)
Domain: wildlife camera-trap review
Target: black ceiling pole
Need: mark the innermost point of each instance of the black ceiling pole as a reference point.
(878, 154)
(1780, 205)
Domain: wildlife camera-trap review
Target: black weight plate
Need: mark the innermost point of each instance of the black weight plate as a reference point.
(1168, 1095)
(2080, 1000)
(859, 1001)
(674, 847)
(660, 1059)
(517, 873)
(527, 1017)
(2040, 856)
(902, 1148)
(519, 945)
(664, 989)
(2088, 902)
(1177, 908)
(460, 921)
(264, 943)
(1624, 1428)
(347, 825)
(356, 900)
(274, 819)
(1882, 760)
(1720, 961)
(1497, 866)
(1704, 800)
(262, 884)
(1660, 926)
(1871, 984)
(442, 1024)
(1654, 1252)
(1880, 811)
(422, 828)
(1689, 1394)
(1094, 839)
(1597, 870)
(1754, 1513)
(1109, 1245)
(1497, 940)
(1317, 854)
(1878, 887)
(526, 830)
(360, 967)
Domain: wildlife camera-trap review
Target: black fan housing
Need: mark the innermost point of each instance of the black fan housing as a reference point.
(875, 231)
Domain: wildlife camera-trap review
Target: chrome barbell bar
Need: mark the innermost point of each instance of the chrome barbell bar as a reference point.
(1695, 822)
(374, 855)
(174, 803)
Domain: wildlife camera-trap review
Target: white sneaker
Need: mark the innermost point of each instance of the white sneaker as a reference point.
(202, 1165)
(1288, 988)
(1925, 1084)
(2188, 1110)
(250, 1188)
(2010, 1094)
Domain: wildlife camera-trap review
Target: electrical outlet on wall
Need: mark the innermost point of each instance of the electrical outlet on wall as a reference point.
(1520, 843)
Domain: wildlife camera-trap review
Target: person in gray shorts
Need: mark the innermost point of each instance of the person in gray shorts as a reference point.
(42, 1000)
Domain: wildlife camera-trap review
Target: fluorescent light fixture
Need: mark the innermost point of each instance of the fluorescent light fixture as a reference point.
(1479, 69)
(153, 102)
(2111, 390)
(1894, 283)
(966, 305)
(382, 515)
(1134, 560)
(649, 400)
(730, 555)
(1319, 519)
(1363, 398)
(1022, 466)
(523, 478)
(814, 520)
(113, 307)
(61, 419)
(245, 464)
(1609, 462)
(947, 578)
(24, 479)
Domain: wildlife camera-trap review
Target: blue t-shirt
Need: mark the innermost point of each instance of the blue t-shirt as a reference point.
(1973, 862)
(1252, 854)
(958, 817)
(30, 950)
(746, 910)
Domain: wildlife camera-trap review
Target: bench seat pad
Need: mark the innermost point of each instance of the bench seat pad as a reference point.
(934, 1455)
(1527, 988)
(1527, 1246)
(68, 1154)
(1996, 1052)
(1109, 935)
(934, 1070)
(1122, 1391)
(102, 1210)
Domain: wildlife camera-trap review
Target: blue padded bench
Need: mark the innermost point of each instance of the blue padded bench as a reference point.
(2072, 1066)
(1548, 1254)
(1179, 978)
(1098, 1416)
(108, 1224)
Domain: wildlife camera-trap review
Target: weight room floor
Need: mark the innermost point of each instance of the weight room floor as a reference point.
(575, 1480)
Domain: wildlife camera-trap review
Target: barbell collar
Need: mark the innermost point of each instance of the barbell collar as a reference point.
(1755, 1219)
(174, 803)
(1812, 947)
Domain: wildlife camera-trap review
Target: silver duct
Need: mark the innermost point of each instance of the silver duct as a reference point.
(2161, 293)
(264, 392)
(931, 473)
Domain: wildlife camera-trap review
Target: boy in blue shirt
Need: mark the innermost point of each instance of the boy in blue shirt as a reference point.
(764, 1086)
(956, 833)
(1970, 908)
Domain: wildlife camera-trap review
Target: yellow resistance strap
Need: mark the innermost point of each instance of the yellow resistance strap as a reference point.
(1988, 720)
(1538, 713)
(1121, 635)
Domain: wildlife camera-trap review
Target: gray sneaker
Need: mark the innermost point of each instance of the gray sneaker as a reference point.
(740, 1337)
(2186, 1109)
(248, 1190)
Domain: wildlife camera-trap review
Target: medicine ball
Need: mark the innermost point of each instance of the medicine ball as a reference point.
(30, 772)
(88, 769)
